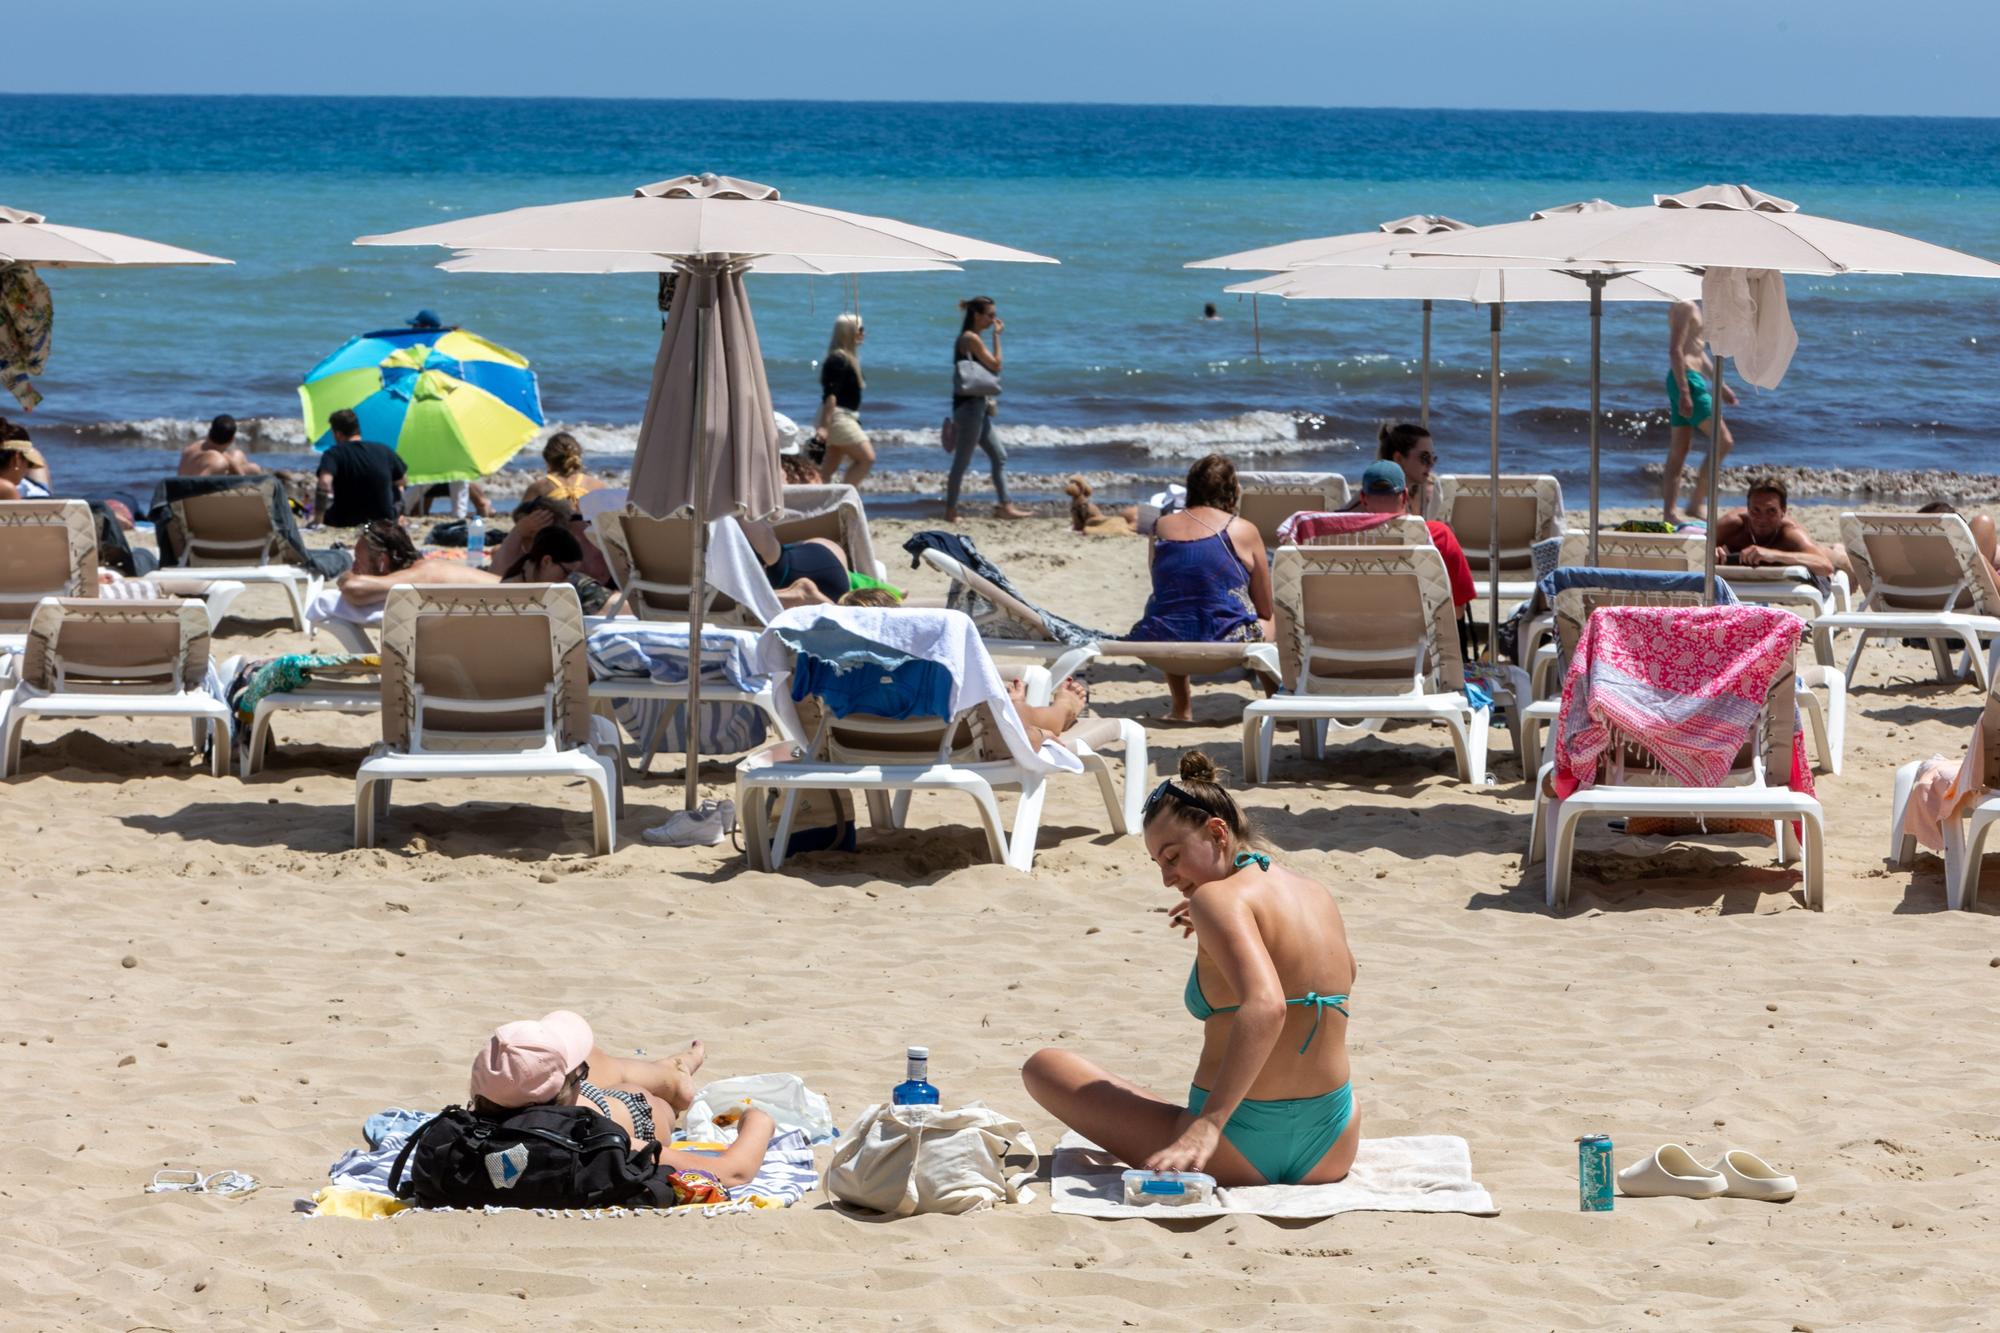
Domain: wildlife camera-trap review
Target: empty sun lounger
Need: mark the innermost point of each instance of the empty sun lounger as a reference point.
(90, 657)
(1922, 577)
(480, 680)
(48, 548)
(1646, 688)
(1365, 635)
(1530, 509)
(928, 712)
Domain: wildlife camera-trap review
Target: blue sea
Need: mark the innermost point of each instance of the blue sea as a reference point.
(1109, 365)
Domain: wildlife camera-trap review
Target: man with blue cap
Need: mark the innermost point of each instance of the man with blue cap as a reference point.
(1385, 491)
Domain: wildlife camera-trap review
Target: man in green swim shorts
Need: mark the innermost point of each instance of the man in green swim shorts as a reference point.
(1689, 404)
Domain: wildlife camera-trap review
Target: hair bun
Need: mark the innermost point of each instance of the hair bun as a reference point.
(1197, 767)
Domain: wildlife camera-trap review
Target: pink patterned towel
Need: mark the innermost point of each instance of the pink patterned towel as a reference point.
(1302, 527)
(1686, 683)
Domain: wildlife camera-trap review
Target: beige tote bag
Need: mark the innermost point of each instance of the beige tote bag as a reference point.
(900, 1160)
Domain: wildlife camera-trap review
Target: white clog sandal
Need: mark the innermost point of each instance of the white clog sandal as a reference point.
(1671, 1172)
(1749, 1176)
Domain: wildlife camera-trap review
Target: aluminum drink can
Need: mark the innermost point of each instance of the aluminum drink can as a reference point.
(1593, 1173)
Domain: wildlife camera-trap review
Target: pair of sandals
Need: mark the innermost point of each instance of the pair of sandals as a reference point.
(1672, 1172)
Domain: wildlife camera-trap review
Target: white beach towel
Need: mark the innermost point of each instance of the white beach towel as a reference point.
(1748, 319)
(947, 638)
(1424, 1173)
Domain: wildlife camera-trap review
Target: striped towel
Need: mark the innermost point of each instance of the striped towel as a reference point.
(643, 650)
(786, 1176)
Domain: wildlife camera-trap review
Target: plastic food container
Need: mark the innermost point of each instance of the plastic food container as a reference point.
(1172, 1189)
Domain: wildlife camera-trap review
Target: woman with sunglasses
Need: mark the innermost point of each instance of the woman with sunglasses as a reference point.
(1271, 1101)
(1409, 446)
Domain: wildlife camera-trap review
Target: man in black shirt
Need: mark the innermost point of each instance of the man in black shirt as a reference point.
(360, 481)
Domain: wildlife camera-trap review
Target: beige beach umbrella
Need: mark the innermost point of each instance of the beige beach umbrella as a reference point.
(31, 239)
(1713, 227)
(1402, 278)
(588, 262)
(708, 439)
(1380, 246)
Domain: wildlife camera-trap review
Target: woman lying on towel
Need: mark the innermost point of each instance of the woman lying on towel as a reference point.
(556, 1061)
(1271, 1102)
(384, 556)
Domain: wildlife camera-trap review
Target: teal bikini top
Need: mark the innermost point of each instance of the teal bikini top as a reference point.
(1202, 1010)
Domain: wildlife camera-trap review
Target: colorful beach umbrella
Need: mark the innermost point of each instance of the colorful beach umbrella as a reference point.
(454, 405)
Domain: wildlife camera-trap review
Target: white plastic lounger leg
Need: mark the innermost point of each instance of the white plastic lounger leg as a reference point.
(899, 808)
(1561, 832)
(1903, 844)
(1788, 843)
(880, 816)
(1941, 661)
(1814, 830)
(1964, 853)
(1479, 723)
(10, 738)
(1861, 638)
(603, 801)
(1020, 850)
(364, 811)
(781, 836)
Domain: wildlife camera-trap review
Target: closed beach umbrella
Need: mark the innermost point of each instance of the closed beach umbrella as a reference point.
(453, 405)
(708, 440)
(1713, 227)
(1380, 246)
(29, 241)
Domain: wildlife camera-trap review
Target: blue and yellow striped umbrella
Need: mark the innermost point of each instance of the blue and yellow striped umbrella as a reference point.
(454, 405)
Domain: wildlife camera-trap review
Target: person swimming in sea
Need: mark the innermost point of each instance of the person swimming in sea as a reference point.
(1272, 1099)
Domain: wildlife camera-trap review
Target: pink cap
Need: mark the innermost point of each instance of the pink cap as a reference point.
(527, 1063)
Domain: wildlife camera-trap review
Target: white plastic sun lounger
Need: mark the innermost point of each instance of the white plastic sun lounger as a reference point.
(89, 657)
(480, 680)
(1922, 577)
(1366, 635)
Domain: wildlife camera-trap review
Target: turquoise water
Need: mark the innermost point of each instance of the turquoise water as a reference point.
(1109, 365)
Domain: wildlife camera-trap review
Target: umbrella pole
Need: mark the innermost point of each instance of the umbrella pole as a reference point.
(1424, 402)
(698, 578)
(1256, 330)
(1712, 469)
(1493, 504)
(1596, 281)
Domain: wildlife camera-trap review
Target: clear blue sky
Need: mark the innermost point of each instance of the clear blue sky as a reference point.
(1914, 57)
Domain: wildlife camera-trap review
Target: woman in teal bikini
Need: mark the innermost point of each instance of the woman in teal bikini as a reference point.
(1271, 1101)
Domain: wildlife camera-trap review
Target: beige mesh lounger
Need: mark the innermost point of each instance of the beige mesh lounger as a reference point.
(1922, 577)
(1269, 498)
(1530, 510)
(480, 680)
(1629, 784)
(1365, 634)
(228, 534)
(91, 657)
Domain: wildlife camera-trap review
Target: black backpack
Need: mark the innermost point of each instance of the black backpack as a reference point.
(536, 1157)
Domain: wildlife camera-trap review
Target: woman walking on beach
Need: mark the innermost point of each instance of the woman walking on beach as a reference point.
(1271, 1101)
(838, 427)
(972, 413)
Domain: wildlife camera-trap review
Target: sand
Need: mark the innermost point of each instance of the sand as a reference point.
(204, 974)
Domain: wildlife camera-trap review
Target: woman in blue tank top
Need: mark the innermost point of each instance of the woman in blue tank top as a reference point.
(1271, 1101)
(1211, 581)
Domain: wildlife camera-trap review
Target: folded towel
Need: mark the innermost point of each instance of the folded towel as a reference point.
(1427, 1173)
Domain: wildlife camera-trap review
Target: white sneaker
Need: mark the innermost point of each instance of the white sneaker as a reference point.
(705, 827)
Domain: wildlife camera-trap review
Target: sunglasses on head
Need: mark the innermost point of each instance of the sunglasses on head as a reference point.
(1159, 794)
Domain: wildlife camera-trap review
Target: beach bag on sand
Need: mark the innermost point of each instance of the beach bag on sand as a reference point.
(536, 1157)
(900, 1160)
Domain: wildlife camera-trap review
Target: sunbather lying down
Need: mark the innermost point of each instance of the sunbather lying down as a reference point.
(556, 1061)
(1048, 722)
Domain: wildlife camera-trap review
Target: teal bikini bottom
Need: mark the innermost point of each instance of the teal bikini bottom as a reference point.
(1284, 1140)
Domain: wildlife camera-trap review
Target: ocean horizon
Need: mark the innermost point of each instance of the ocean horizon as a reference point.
(1110, 367)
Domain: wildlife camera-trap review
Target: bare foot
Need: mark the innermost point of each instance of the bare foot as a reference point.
(680, 1071)
(1012, 511)
(953, 516)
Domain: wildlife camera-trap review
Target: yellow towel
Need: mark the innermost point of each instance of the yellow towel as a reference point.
(332, 1202)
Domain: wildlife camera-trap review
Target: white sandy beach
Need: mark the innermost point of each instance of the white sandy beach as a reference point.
(203, 973)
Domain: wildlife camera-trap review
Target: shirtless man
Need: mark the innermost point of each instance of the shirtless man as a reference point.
(215, 454)
(384, 556)
(1689, 404)
(1765, 534)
